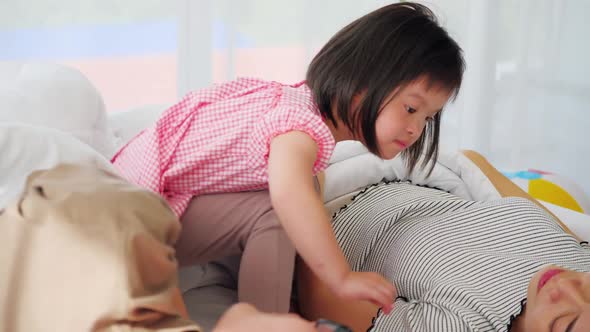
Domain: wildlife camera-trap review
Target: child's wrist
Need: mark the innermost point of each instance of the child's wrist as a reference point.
(340, 274)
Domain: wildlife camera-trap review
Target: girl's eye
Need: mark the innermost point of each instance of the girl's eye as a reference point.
(410, 110)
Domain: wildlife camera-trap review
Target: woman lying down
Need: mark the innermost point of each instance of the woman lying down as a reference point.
(458, 265)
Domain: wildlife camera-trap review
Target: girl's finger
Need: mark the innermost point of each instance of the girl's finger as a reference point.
(387, 309)
(382, 298)
(387, 291)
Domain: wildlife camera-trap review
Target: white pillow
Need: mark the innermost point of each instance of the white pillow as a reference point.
(354, 168)
(55, 96)
(26, 148)
(127, 124)
(346, 150)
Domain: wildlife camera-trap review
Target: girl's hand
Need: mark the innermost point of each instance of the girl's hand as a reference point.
(303, 217)
(368, 286)
(244, 317)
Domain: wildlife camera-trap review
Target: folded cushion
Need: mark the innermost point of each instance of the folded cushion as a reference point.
(83, 250)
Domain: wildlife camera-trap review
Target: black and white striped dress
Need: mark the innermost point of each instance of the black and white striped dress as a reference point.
(458, 265)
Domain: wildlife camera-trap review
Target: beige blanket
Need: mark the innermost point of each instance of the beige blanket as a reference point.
(83, 250)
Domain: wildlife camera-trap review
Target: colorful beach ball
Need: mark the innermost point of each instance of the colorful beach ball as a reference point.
(551, 188)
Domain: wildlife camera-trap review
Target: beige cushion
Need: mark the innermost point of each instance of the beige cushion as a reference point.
(84, 250)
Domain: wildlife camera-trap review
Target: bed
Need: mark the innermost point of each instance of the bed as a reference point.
(92, 135)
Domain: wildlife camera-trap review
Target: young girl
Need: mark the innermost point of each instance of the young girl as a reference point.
(382, 80)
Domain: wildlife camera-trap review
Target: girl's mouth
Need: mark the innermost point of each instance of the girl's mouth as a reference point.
(401, 144)
(548, 275)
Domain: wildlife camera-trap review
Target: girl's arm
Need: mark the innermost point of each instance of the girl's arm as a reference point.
(300, 210)
(301, 213)
(506, 187)
(317, 301)
(243, 317)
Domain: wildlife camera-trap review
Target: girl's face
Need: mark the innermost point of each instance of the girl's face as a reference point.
(405, 114)
(558, 300)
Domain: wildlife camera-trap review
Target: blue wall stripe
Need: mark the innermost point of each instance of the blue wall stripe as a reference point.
(89, 41)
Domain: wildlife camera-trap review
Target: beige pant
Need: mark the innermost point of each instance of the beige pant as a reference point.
(83, 250)
(219, 225)
(215, 226)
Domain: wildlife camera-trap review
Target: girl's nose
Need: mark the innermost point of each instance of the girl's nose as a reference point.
(413, 128)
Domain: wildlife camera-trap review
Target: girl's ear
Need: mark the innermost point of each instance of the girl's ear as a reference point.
(355, 105)
(356, 100)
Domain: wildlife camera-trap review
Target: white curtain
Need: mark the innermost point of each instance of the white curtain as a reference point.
(525, 102)
(127, 49)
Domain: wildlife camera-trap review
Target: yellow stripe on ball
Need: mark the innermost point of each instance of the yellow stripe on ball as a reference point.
(552, 193)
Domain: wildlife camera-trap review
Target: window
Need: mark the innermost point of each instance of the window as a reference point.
(126, 48)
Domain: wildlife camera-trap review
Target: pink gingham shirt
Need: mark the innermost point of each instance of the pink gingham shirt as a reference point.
(217, 140)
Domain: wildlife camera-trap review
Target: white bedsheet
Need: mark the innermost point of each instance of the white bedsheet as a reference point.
(579, 223)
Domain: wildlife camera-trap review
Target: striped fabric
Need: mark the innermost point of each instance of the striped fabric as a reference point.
(458, 265)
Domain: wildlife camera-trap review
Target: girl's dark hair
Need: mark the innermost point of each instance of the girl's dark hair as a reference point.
(379, 52)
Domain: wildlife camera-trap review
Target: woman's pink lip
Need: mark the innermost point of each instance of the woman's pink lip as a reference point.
(544, 279)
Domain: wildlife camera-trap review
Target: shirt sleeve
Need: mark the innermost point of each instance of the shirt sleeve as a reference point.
(285, 119)
(419, 316)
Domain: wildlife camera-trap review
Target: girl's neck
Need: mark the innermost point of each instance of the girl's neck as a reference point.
(340, 132)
